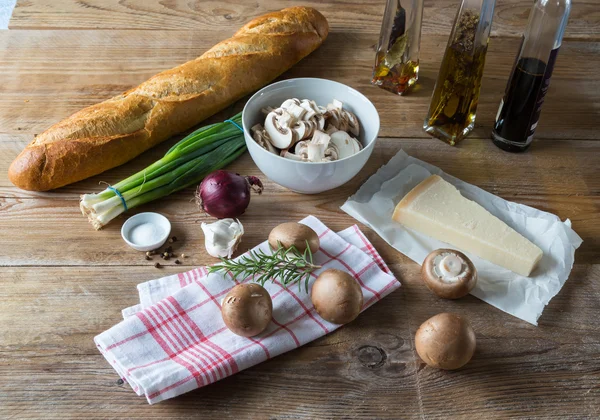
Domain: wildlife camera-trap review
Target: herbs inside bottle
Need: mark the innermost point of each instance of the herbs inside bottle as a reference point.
(397, 60)
(453, 105)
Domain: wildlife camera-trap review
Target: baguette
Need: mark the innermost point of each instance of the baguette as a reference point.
(113, 132)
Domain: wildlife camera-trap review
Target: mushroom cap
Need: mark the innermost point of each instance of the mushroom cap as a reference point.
(445, 341)
(247, 309)
(444, 286)
(337, 296)
(296, 234)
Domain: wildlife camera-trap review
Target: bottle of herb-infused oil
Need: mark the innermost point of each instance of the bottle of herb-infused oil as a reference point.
(451, 114)
(520, 108)
(396, 66)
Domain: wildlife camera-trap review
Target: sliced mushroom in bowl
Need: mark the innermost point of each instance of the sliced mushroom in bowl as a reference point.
(301, 130)
(334, 132)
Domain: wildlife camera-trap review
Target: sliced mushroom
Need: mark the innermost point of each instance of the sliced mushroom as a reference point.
(293, 156)
(309, 111)
(262, 138)
(320, 138)
(302, 149)
(288, 129)
(307, 103)
(317, 146)
(295, 110)
(267, 110)
(304, 129)
(257, 128)
(345, 145)
(320, 122)
(312, 124)
(316, 152)
(340, 120)
(279, 129)
(353, 124)
(330, 129)
(314, 106)
(289, 102)
(331, 154)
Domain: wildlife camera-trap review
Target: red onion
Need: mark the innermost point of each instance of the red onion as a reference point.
(224, 194)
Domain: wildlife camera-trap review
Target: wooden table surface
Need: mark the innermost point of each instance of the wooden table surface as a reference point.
(61, 282)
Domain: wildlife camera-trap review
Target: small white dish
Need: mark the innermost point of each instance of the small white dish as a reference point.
(146, 231)
(311, 177)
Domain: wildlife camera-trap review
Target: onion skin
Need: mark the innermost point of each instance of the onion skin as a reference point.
(224, 194)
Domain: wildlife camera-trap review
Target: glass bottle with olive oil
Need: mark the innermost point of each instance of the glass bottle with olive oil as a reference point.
(453, 105)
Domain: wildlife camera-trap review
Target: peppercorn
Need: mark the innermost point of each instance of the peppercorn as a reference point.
(177, 262)
(157, 265)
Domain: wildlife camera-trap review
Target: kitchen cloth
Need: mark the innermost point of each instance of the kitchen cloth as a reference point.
(178, 342)
(520, 296)
(152, 291)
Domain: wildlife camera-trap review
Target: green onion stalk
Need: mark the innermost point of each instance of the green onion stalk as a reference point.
(186, 163)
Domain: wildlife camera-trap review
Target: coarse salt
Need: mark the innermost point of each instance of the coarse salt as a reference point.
(145, 233)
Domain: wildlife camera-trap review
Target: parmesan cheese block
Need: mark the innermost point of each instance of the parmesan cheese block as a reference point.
(436, 208)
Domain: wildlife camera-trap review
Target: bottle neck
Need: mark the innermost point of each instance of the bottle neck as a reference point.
(545, 29)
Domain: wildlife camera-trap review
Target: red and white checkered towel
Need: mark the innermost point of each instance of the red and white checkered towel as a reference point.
(175, 340)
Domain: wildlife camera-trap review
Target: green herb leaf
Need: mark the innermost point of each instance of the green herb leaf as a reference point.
(289, 266)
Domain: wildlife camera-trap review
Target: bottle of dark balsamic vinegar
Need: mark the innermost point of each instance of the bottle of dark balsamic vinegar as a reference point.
(520, 108)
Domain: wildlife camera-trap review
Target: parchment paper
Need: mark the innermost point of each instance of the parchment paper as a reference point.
(523, 297)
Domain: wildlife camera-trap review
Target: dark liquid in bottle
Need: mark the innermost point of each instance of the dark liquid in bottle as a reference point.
(520, 106)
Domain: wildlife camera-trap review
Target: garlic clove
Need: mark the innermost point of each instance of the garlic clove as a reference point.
(222, 237)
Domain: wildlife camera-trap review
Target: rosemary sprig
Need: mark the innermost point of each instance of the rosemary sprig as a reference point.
(287, 265)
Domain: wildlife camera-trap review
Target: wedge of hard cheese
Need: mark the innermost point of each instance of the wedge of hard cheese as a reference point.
(436, 208)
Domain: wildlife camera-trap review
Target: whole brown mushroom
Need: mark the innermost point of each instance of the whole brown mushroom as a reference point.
(448, 273)
(337, 296)
(294, 234)
(445, 341)
(247, 309)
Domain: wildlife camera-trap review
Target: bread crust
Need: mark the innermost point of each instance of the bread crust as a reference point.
(110, 133)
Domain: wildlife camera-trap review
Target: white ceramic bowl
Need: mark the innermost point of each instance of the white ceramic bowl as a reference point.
(153, 225)
(310, 177)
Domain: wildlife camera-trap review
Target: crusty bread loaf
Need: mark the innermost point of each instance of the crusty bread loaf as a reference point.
(110, 133)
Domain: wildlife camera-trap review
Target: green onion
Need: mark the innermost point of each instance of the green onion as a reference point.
(186, 163)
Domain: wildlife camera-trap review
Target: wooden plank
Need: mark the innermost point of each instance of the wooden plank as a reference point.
(50, 368)
(558, 177)
(48, 75)
(353, 15)
(61, 283)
